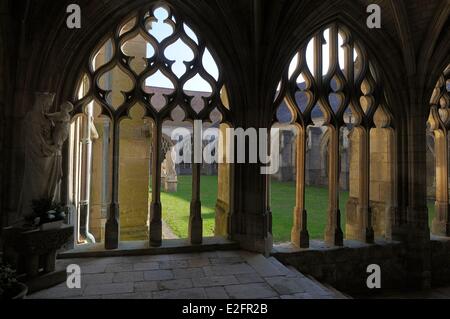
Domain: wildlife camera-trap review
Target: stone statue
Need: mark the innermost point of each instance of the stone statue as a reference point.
(44, 135)
(169, 173)
(61, 122)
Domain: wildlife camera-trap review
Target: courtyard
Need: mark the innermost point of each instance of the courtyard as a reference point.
(176, 208)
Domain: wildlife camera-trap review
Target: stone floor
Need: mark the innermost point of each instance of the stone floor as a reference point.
(210, 275)
(434, 293)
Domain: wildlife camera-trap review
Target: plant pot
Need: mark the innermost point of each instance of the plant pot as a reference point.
(19, 291)
(52, 225)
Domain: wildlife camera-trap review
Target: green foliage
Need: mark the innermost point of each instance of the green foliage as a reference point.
(47, 211)
(176, 208)
(7, 279)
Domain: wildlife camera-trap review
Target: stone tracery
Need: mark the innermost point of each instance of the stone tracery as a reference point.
(161, 82)
(333, 73)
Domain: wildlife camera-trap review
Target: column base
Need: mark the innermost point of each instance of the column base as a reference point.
(252, 231)
(368, 234)
(222, 219)
(257, 245)
(333, 234)
(112, 228)
(155, 225)
(299, 233)
(196, 224)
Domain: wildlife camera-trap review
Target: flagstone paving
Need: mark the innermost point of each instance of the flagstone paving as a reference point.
(211, 275)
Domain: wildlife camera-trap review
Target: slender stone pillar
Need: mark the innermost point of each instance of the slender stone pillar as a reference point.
(155, 207)
(441, 222)
(364, 210)
(195, 219)
(86, 165)
(112, 224)
(333, 233)
(299, 234)
(223, 190)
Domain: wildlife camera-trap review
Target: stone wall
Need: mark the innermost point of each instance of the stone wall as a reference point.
(346, 268)
(440, 262)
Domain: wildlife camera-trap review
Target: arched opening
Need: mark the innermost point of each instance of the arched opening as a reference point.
(345, 141)
(438, 128)
(150, 79)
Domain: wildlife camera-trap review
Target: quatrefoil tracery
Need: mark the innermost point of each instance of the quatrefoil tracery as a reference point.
(347, 84)
(440, 103)
(160, 64)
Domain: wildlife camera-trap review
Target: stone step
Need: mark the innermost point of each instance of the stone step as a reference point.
(338, 294)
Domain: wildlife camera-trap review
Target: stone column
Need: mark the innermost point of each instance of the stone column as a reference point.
(382, 179)
(299, 234)
(223, 190)
(286, 163)
(441, 222)
(333, 232)
(155, 206)
(86, 166)
(359, 217)
(195, 233)
(112, 224)
(364, 210)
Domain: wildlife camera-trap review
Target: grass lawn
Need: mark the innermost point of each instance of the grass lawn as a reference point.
(176, 208)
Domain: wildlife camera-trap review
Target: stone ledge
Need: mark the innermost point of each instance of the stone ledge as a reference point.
(140, 248)
(318, 245)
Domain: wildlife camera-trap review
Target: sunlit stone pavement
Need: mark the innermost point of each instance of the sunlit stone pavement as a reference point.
(211, 275)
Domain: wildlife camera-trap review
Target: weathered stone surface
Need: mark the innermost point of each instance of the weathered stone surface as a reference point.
(285, 286)
(262, 266)
(173, 264)
(188, 273)
(175, 284)
(195, 293)
(188, 283)
(224, 270)
(109, 289)
(93, 269)
(226, 260)
(97, 279)
(251, 291)
(249, 278)
(119, 267)
(146, 286)
(58, 292)
(130, 276)
(158, 275)
(212, 281)
(146, 266)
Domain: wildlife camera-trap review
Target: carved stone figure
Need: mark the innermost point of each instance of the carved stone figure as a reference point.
(169, 173)
(61, 122)
(44, 135)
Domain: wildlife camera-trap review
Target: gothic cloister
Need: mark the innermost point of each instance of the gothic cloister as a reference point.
(362, 111)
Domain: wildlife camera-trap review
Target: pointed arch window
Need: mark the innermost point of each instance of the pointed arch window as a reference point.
(155, 61)
(332, 83)
(439, 126)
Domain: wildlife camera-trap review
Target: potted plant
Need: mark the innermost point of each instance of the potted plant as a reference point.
(10, 288)
(47, 214)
